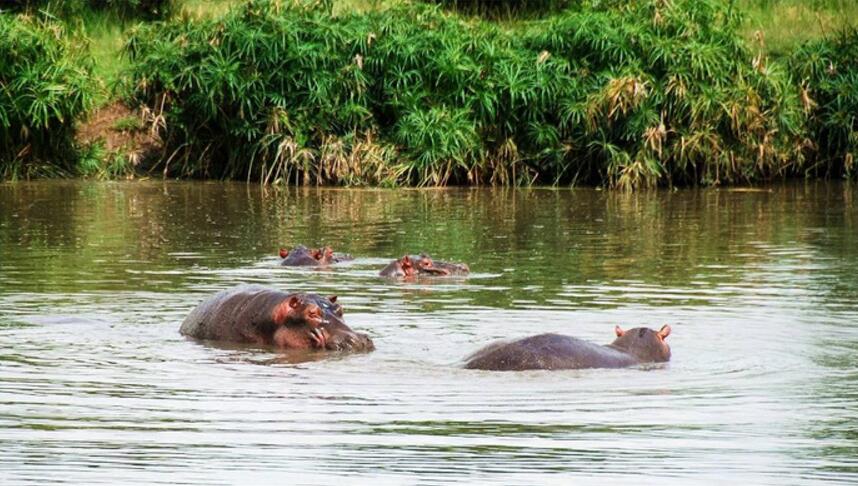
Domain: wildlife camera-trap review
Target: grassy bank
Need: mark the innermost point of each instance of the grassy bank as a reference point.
(281, 92)
(787, 24)
(392, 92)
(45, 85)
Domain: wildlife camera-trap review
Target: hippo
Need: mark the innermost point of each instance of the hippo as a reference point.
(434, 267)
(259, 315)
(558, 352)
(301, 256)
(402, 268)
(410, 267)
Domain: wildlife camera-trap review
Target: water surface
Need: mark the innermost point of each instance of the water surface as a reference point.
(760, 287)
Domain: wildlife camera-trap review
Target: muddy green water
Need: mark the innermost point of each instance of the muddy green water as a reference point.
(761, 288)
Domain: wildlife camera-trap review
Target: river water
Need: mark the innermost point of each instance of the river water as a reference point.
(760, 288)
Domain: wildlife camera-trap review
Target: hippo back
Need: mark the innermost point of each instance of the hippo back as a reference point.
(548, 352)
(241, 314)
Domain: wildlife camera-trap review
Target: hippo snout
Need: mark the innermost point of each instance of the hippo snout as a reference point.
(350, 341)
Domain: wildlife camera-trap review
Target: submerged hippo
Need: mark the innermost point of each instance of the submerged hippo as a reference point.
(557, 352)
(259, 315)
(301, 256)
(402, 268)
(434, 267)
(411, 266)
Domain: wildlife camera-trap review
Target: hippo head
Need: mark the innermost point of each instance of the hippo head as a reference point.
(644, 343)
(323, 255)
(298, 250)
(407, 265)
(423, 264)
(309, 321)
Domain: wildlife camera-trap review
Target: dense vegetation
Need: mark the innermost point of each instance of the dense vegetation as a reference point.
(620, 93)
(828, 73)
(44, 87)
(626, 93)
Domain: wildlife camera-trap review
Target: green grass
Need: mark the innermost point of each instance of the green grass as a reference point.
(624, 95)
(444, 123)
(45, 85)
(786, 24)
(206, 8)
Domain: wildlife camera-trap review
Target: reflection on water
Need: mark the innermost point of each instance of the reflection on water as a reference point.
(761, 288)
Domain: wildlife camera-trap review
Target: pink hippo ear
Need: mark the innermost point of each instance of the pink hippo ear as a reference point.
(284, 253)
(664, 331)
(333, 299)
(619, 331)
(283, 310)
(293, 302)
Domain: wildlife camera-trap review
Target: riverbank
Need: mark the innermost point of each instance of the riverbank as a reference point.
(394, 93)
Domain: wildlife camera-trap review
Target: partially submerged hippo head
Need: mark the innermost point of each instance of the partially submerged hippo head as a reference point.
(644, 343)
(311, 257)
(301, 256)
(310, 321)
(253, 314)
(323, 255)
(401, 268)
(424, 264)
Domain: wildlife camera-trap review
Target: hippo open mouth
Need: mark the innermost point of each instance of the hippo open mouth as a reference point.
(322, 339)
(441, 272)
(319, 338)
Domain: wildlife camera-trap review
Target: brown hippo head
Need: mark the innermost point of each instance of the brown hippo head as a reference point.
(644, 343)
(424, 265)
(407, 265)
(323, 255)
(310, 321)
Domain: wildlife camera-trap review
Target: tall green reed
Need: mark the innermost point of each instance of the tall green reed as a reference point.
(625, 94)
(45, 85)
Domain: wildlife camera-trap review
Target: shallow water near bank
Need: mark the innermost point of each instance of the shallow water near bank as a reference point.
(760, 287)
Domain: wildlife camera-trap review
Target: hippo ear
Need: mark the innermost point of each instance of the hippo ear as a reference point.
(294, 301)
(406, 260)
(284, 253)
(664, 331)
(333, 299)
(619, 331)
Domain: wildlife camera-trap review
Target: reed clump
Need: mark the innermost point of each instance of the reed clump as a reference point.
(45, 85)
(827, 70)
(626, 94)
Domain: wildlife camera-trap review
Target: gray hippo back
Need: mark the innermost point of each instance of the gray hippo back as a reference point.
(558, 352)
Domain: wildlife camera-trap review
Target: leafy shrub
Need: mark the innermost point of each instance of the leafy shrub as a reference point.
(505, 8)
(627, 94)
(45, 86)
(828, 72)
